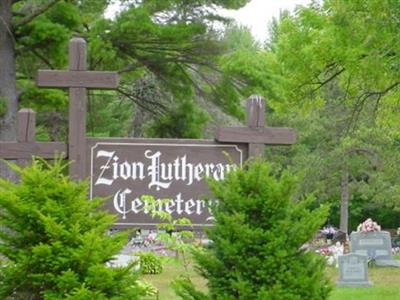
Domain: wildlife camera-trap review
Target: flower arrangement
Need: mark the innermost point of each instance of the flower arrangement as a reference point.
(328, 231)
(368, 226)
(331, 253)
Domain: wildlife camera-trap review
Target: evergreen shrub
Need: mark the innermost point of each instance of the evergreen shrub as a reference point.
(54, 241)
(150, 263)
(258, 236)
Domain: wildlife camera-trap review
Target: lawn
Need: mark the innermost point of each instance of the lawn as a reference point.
(385, 283)
(385, 286)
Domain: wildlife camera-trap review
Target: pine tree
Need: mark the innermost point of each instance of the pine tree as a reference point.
(257, 239)
(54, 242)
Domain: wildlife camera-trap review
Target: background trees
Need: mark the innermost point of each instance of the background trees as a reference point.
(162, 49)
(329, 70)
(337, 63)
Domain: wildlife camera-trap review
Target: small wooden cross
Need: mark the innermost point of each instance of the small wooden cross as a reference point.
(256, 135)
(26, 145)
(77, 79)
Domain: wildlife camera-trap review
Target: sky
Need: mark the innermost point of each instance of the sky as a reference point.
(256, 15)
(259, 13)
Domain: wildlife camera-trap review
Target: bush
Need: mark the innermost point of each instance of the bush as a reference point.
(150, 263)
(55, 241)
(257, 239)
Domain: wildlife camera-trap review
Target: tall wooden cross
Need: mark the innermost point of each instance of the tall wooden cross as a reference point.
(255, 134)
(77, 79)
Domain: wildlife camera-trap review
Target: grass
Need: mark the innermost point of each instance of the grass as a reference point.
(173, 268)
(385, 286)
(385, 283)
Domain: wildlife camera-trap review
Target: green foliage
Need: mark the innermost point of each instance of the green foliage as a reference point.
(345, 42)
(362, 208)
(55, 242)
(185, 121)
(108, 116)
(185, 289)
(3, 106)
(170, 41)
(246, 69)
(149, 290)
(338, 71)
(150, 263)
(42, 99)
(239, 37)
(326, 148)
(177, 237)
(257, 239)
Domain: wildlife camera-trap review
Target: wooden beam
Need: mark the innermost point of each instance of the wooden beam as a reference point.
(266, 135)
(255, 111)
(26, 126)
(256, 150)
(77, 112)
(78, 79)
(25, 150)
(255, 119)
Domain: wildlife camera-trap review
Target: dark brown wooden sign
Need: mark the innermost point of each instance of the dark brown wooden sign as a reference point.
(126, 169)
(174, 170)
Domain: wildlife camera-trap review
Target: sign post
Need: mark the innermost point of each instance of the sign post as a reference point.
(77, 79)
(256, 135)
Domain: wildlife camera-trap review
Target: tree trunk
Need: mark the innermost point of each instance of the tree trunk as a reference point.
(8, 90)
(138, 121)
(344, 202)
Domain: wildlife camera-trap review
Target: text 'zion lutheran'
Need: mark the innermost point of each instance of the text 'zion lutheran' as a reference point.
(161, 173)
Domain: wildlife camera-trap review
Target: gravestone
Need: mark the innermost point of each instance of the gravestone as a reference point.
(353, 271)
(375, 245)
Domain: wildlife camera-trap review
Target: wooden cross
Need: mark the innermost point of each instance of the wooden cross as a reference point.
(77, 79)
(256, 135)
(26, 146)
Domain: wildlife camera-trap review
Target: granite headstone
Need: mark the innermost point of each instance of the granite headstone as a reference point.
(353, 270)
(375, 245)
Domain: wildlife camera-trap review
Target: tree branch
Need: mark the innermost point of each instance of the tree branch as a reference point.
(42, 58)
(322, 83)
(139, 101)
(129, 67)
(37, 12)
(371, 153)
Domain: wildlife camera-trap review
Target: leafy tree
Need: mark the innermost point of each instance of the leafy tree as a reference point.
(331, 58)
(237, 37)
(251, 69)
(339, 166)
(169, 40)
(352, 43)
(55, 242)
(257, 240)
(187, 121)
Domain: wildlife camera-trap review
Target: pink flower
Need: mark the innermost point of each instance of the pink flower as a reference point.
(368, 226)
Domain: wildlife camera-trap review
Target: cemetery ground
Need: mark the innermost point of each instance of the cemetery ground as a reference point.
(385, 283)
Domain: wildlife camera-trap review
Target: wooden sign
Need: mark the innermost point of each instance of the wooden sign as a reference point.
(176, 170)
(125, 169)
